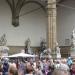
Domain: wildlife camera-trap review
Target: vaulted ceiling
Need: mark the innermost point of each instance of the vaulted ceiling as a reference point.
(16, 5)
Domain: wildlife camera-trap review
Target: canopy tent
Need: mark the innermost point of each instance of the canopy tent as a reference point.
(21, 55)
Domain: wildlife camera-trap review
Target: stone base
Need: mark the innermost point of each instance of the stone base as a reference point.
(58, 56)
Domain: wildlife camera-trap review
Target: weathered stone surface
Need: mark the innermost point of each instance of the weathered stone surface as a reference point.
(51, 24)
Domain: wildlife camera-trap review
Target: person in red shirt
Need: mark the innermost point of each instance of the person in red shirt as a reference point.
(72, 70)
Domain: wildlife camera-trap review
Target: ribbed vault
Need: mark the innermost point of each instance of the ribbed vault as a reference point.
(17, 6)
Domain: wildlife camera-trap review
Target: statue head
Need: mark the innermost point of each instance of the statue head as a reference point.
(27, 41)
(57, 44)
(73, 30)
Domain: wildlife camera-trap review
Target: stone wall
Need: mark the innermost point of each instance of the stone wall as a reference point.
(17, 49)
(65, 51)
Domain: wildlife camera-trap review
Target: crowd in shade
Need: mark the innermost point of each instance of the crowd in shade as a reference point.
(45, 66)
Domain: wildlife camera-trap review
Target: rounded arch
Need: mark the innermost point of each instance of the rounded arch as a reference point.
(36, 2)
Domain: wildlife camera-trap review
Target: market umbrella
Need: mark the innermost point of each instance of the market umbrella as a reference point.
(21, 55)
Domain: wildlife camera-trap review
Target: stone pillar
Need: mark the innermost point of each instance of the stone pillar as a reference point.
(51, 24)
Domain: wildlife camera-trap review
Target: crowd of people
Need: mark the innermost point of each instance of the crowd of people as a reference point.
(38, 67)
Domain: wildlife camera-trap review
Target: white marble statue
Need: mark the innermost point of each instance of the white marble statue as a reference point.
(3, 48)
(58, 54)
(49, 52)
(57, 49)
(72, 52)
(73, 33)
(73, 38)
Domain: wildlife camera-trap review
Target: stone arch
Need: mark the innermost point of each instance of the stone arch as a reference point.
(15, 9)
(36, 2)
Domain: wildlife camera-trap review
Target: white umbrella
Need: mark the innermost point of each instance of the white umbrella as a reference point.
(21, 55)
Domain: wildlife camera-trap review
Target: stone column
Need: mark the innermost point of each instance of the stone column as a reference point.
(51, 24)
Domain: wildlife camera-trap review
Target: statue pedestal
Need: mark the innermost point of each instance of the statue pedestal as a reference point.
(58, 56)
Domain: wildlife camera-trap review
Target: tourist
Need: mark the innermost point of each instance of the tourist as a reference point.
(50, 70)
(21, 68)
(5, 67)
(12, 70)
(29, 69)
(72, 70)
(1, 68)
(38, 71)
(69, 61)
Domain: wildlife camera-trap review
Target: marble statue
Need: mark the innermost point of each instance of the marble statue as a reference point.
(73, 34)
(73, 38)
(27, 46)
(42, 45)
(72, 52)
(3, 40)
(58, 54)
(3, 48)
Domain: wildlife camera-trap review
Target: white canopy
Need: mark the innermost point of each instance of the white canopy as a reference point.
(22, 55)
